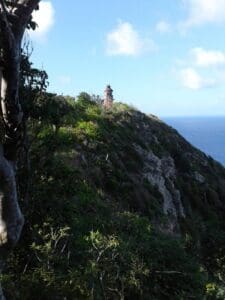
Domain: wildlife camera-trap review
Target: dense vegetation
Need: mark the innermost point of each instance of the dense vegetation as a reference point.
(95, 227)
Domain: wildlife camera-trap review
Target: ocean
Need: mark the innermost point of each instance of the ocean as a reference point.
(205, 133)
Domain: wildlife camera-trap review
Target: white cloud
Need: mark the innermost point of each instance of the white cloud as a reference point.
(201, 69)
(191, 79)
(44, 17)
(65, 79)
(125, 40)
(204, 11)
(163, 27)
(207, 58)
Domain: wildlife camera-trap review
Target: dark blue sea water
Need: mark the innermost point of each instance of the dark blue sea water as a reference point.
(205, 133)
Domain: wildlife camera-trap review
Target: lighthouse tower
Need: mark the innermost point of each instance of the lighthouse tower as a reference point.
(108, 99)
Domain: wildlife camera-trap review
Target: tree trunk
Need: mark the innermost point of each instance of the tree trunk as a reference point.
(14, 18)
(11, 218)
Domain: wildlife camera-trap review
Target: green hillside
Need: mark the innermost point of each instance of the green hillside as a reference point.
(117, 206)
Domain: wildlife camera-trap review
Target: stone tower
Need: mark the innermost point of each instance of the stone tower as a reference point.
(108, 99)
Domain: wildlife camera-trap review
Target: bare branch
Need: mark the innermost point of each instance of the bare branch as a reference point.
(3, 6)
(24, 10)
(17, 15)
(7, 36)
(170, 272)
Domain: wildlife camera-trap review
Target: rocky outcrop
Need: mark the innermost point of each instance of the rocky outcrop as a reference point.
(161, 173)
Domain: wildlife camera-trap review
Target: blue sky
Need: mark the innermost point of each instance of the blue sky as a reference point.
(165, 57)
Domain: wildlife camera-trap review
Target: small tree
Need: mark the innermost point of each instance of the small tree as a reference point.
(15, 17)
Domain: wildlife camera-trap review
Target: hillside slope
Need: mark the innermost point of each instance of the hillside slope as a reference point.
(120, 207)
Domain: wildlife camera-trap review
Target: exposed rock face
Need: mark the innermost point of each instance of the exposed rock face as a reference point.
(162, 173)
(198, 177)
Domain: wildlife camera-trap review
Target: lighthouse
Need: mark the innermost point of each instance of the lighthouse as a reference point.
(108, 99)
